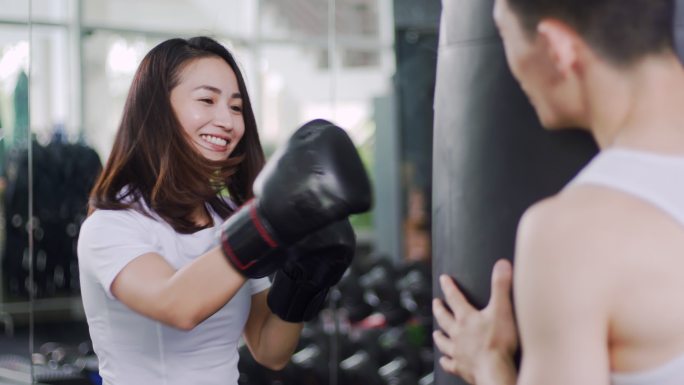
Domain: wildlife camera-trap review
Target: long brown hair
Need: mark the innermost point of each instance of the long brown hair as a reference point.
(153, 160)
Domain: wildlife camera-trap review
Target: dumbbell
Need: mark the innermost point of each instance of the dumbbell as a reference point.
(310, 366)
(381, 292)
(390, 350)
(415, 286)
(398, 372)
(428, 379)
(57, 363)
(365, 262)
(359, 358)
(365, 340)
(54, 354)
(87, 361)
(309, 363)
(352, 297)
(395, 343)
(360, 368)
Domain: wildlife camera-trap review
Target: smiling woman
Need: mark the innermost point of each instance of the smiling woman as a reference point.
(151, 272)
(208, 104)
(188, 121)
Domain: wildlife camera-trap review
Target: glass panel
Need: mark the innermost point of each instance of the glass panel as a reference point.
(14, 128)
(294, 19)
(15, 10)
(54, 11)
(63, 171)
(357, 19)
(110, 60)
(364, 77)
(309, 19)
(49, 11)
(232, 18)
(52, 105)
(394, 278)
(295, 87)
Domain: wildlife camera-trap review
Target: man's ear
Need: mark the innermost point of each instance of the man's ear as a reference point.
(562, 44)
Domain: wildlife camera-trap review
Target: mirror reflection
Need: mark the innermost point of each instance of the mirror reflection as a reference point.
(14, 131)
(67, 75)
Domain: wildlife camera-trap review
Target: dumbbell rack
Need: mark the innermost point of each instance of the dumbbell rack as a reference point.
(16, 370)
(10, 377)
(10, 308)
(375, 331)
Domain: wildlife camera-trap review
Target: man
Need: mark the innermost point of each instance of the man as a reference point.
(598, 277)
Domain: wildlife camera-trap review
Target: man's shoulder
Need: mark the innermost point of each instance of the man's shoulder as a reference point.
(565, 252)
(584, 224)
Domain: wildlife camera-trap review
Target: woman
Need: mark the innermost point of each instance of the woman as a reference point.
(163, 306)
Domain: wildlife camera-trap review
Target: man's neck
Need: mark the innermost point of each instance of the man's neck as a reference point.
(640, 107)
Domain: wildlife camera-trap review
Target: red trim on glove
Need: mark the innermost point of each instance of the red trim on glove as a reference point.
(260, 228)
(236, 261)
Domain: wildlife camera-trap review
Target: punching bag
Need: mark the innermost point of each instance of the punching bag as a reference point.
(679, 28)
(491, 158)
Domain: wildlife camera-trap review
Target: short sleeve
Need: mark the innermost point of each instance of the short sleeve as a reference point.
(258, 285)
(109, 240)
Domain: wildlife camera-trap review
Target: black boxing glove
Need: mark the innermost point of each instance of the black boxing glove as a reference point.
(313, 266)
(315, 179)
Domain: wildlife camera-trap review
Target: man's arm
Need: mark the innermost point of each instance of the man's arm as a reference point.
(562, 290)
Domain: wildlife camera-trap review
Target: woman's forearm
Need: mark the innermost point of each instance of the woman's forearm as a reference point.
(201, 288)
(277, 342)
(180, 298)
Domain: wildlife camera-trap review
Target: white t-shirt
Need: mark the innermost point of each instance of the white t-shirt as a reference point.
(133, 349)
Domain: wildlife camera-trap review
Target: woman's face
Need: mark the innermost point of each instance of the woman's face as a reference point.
(208, 105)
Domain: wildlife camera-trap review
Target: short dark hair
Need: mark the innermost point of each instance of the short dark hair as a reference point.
(622, 31)
(152, 159)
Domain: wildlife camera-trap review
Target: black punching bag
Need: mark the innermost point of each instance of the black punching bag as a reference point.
(491, 158)
(679, 28)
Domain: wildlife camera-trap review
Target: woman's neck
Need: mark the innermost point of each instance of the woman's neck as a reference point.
(201, 216)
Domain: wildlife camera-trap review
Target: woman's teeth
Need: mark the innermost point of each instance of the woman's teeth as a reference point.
(214, 140)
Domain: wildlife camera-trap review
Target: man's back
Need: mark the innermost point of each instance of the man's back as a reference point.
(608, 249)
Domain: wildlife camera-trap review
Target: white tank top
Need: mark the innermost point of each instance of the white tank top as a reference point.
(659, 180)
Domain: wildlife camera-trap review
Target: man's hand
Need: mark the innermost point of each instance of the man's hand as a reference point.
(478, 345)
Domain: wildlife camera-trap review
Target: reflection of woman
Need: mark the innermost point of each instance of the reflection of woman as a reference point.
(162, 304)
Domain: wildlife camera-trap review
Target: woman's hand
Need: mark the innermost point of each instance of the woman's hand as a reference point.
(478, 345)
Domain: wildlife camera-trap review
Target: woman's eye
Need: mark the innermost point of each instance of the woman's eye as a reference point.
(207, 101)
(236, 108)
